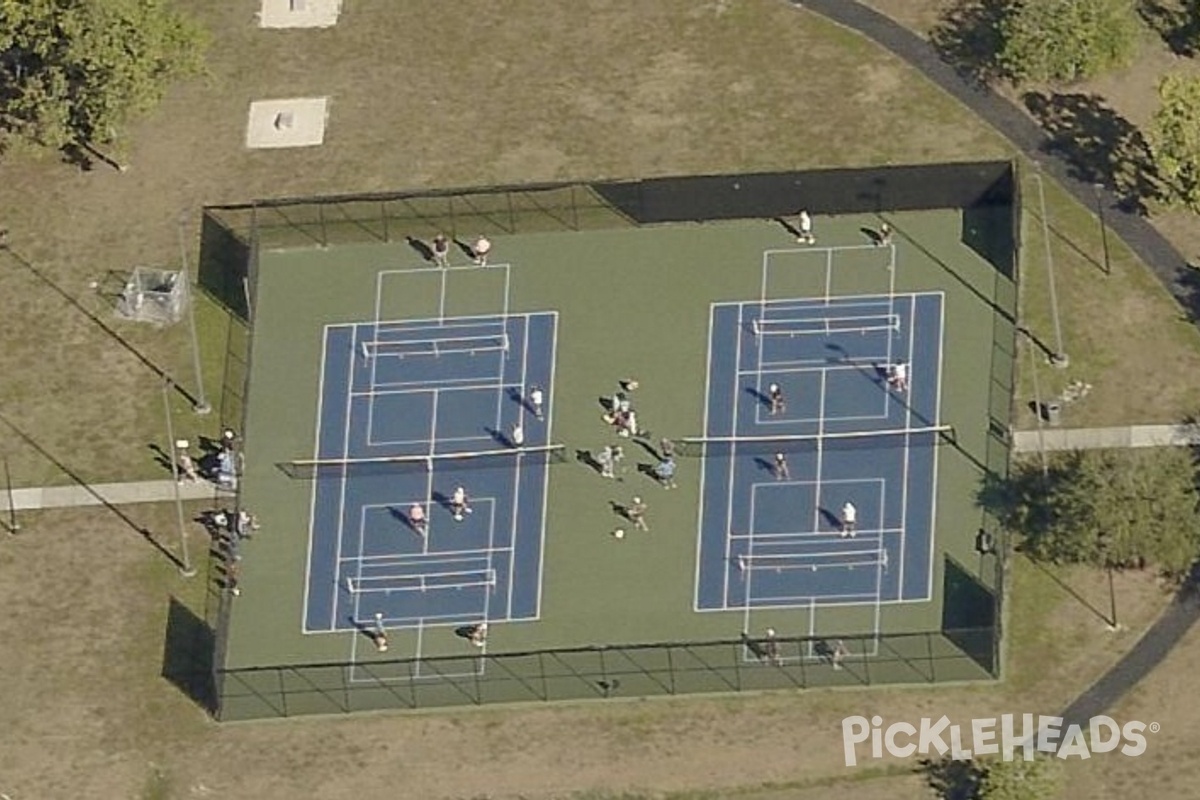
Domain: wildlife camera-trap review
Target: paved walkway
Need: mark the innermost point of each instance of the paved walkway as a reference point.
(1106, 438)
(1166, 262)
(113, 494)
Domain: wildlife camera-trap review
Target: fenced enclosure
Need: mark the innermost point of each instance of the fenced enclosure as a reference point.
(604, 672)
(965, 646)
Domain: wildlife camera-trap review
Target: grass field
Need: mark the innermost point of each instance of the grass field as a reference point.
(617, 97)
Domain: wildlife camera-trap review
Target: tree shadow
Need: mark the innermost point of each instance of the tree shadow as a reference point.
(967, 37)
(1179, 27)
(1099, 145)
(951, 779)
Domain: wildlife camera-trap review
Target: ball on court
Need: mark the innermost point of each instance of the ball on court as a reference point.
(619, 533)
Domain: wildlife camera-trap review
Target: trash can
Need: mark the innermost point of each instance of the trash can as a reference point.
(1054, 413)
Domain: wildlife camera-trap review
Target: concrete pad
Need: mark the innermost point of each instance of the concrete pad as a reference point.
(299, 13)
(297, 122)
(98, 494)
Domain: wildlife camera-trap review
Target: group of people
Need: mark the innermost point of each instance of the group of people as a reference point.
(440, 250)
(223, 464)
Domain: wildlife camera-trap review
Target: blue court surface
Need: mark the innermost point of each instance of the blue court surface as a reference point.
(448, 393)
(770, 539)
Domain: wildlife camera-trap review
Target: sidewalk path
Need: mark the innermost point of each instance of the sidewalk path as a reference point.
(1106, 438)
(99, 494)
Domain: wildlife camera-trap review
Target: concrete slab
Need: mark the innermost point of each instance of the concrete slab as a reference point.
(295, 122)
(98, 494)
(299, 13)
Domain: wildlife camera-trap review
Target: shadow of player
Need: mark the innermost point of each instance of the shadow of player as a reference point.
(423, 250)
(401, 516)
(823, 650)
(792, 230)
(831, 518)
(442, 500)
(366, 630)
(874, 236)
(765, 465)
(500, 437)
(759, 397)
(621, 510)
(586, 458)
(161, 457)
(518, 397)
(467, 249)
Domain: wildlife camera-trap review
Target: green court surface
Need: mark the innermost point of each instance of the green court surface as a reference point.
(616, 616)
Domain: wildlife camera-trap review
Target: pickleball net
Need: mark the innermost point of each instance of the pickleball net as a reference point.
(505, 458)
(830, 441)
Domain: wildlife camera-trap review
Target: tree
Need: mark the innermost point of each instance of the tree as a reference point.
(1018, 779)
(74, 72)
(1107, 508)
(995, 779)
(1066, 40)
(1175, 140)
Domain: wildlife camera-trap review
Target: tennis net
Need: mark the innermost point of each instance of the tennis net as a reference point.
(507, 458)
(717, 446)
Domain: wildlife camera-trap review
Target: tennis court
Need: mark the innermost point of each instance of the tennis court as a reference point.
(383, 383)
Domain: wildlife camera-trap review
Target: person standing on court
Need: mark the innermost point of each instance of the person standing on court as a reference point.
(780, 468)
(775, 399)
(441, 250)
(665, 472)
(518, 435)
(805, 225)
(885, 235)
(416, 518)
(536, 400)
(459, 504)
(636, 512)
(605, 459)
(482, 247)
(898, 376)
(849, 520)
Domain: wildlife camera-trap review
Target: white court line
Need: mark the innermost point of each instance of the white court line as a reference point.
(487, 440)
(312, 508)
(517, 472)
(837, 248)
(491, 325)
(420, 654)
(937, 415)
(392, 387)
(343, 480)
(489, 386)
(907, 421)
(541, 566)
(433, 416)
(842, 365)
(785, 304)
(828, 274)
(703, 476)
(432, 268)
(812, 624)
(870, 534)
(442, 296)
(737, 394)
(820, 454)
(416, 559)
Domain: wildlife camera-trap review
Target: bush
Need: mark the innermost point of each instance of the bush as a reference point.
(1066, 40)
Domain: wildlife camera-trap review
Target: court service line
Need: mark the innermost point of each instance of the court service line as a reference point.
(312, 508)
